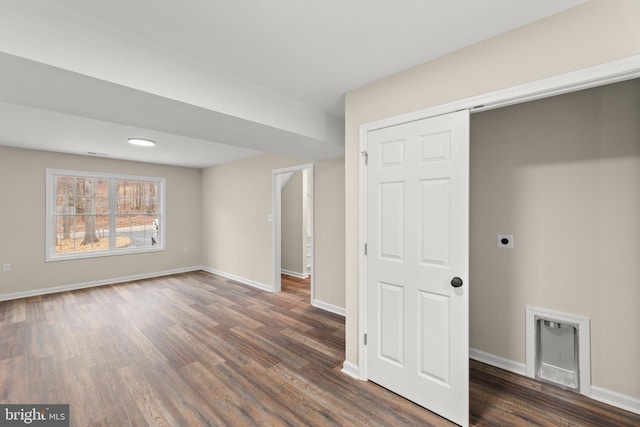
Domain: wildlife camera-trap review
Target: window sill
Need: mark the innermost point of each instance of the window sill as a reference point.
(100, 254)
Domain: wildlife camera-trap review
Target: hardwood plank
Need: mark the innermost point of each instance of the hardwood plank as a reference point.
(149, 399)
(228, 406)
(326, 398)
(13, 387)
(295, 406)
(321, 350)
(196, 349)
(234, 315)
(14, 339)
(274, 347)
(266, 315)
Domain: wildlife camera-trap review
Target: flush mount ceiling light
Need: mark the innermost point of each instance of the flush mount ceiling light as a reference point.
(142, 142)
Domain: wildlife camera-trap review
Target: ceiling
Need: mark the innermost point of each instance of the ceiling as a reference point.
(215, 81)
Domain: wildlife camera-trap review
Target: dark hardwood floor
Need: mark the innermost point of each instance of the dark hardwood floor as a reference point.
(196, 349)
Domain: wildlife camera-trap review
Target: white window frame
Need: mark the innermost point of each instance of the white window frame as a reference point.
(50, 229)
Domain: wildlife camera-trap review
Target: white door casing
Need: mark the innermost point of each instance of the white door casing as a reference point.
(417, 234)
(277, 176)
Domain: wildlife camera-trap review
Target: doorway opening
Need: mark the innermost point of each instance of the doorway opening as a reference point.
(295, 285)
(293, 227)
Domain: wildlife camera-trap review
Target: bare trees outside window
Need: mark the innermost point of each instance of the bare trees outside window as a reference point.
(94, 215)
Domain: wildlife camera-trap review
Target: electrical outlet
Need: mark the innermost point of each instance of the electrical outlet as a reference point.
(6, 268)
(504, 241)
(186, 249)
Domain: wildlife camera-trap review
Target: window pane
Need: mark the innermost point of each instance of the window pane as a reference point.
(65, 234)
(90, 238)
(123, 231)
(101, 197)
(81, 233)
(153, 231)
(150, 229)
(64, 195)
(101, 205)
(84, 210)
(123, 189)
(64, 205)
(137, 197)
(83, 204)
(64, 185)
(102, 227)
(136, 231)
(152, 205)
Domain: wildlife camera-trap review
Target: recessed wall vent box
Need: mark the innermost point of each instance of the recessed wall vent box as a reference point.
(558, 349)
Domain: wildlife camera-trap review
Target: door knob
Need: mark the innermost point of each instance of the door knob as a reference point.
(456, 282)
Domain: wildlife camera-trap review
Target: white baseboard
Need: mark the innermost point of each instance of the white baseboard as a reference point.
(498, 362)
(600, 394)
(319, 304)
(616, 399)
(115, 280)
(351, 369)
(249, 282)
(329, 307)
(295, 274)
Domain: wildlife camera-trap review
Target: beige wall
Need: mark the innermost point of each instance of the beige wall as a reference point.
(22, 215)
(217, 213)
(236, 199)
(329, 232)
(293, 253)
(563, 176)
(596, 32)
(237, 238)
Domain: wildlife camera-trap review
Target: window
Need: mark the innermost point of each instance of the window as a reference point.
(93, 214)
